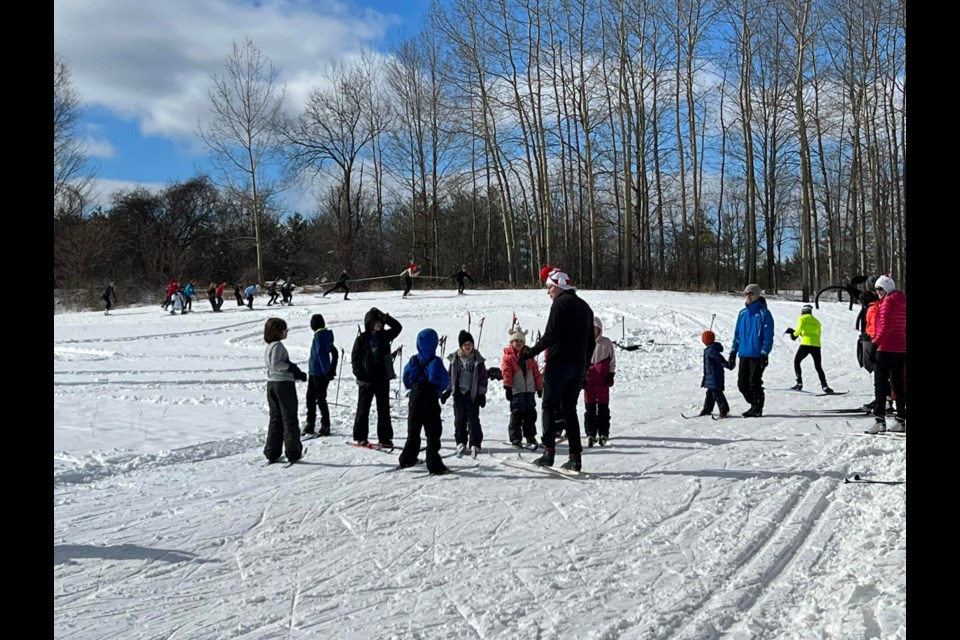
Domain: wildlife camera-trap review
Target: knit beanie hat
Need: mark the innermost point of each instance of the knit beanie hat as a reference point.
(464, 336)
(518, 334)
(708, 337)
(597, 323)
(752, 288)
(316, 322)
(886, 283)
(560, 279)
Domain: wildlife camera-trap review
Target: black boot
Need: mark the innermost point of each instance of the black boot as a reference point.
(546, 460)
(573, 464)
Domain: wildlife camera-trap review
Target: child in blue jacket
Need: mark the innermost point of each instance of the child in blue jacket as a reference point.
(713, 365)
(427, 379)
(323, 369)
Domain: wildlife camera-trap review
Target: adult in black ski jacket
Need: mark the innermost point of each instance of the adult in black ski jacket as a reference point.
(459, 277)
(569, 341)
(109, 298)
(372, 364)
(341, 284)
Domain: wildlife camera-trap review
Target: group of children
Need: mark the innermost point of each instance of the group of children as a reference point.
(179, 297)
(430, 384)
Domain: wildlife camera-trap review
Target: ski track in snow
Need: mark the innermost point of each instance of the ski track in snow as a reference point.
(168, 524)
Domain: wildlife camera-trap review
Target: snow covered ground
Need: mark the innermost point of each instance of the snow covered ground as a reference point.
(168, 524)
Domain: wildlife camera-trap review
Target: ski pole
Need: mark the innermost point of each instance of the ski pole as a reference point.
(623, 327)
(398, 352)
(468, 322)
(480, 335)
(712, 318)
(340, 377)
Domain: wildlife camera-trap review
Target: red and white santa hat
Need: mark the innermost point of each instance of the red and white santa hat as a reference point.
(557, 278)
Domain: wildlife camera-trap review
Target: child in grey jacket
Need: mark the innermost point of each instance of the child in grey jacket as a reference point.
(283, 432)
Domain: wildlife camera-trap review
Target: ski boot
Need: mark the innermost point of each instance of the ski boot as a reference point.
(573, 464)
(798, 386)
(474, 451)
(546, 460)
(603, 441)
(827, 390)
(590, 441)
(461, 449)
(879, 426)
(899, 426)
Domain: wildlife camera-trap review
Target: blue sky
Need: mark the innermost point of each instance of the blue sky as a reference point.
(143, 69)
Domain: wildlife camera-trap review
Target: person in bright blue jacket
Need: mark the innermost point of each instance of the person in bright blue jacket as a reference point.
(426, 378)
(752, 341)
(323, 369)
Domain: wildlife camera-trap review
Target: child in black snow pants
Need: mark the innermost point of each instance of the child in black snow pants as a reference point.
(468, 384)
(283, 432)
(426, 379)
(323, 369)
(713, 365)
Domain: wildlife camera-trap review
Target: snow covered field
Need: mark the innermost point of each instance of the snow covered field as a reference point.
(168, 525)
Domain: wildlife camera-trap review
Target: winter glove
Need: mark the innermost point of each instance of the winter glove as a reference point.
(299, 376)
(522, 361)
(764, 360)
(789, 332)
(610, 379)
(482, 400)
(444, 396)
(539, 393)
(732, 360)
(509, 393)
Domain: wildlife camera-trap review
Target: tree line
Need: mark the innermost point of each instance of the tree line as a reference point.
(692, 144)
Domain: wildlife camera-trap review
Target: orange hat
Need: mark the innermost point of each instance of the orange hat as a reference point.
(708, 337)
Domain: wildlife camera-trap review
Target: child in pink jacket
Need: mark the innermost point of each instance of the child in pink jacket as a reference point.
(596, 396)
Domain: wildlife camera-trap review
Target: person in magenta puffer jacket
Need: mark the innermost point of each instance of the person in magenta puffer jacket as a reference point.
(890, 339)
(596, 386)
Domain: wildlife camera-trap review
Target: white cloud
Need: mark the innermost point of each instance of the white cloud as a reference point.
(98, 147)
(152, 62)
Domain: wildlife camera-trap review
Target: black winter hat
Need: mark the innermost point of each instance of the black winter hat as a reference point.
(465, 336)
(316, 322)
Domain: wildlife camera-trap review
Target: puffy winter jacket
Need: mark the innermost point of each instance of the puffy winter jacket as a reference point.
(753, 335)
(526, 382)
(361, 357)
(425, 367)
(478, 384)
(890, 325)
(602, 363)
(713, 365)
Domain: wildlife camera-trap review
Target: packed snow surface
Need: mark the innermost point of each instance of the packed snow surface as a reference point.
(168, 523)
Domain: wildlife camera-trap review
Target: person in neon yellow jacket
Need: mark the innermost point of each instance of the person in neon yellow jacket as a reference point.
(808, 330)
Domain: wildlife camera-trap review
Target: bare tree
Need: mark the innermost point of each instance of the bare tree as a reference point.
(333, 135)
(72, 178)
(243, 132)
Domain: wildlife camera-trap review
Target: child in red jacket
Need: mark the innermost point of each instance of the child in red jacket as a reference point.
(519, 387)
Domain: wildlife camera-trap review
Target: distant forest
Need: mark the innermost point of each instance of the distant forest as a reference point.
(688, 145)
